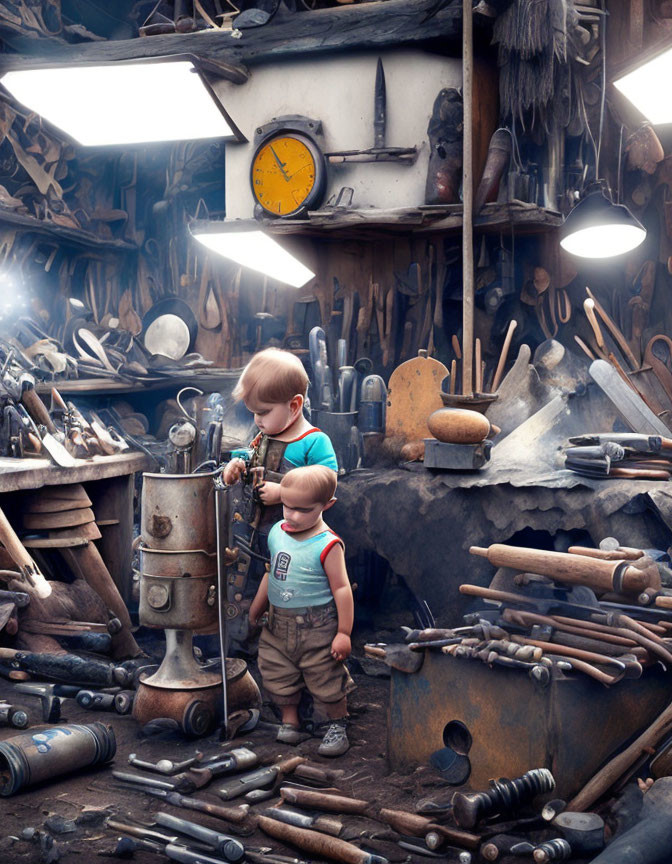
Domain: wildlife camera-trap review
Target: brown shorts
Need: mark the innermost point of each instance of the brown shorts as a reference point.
(295, 652)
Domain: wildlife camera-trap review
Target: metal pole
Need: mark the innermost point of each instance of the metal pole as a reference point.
(221, 489)
(467, 200)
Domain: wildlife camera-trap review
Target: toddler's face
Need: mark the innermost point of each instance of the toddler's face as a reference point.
(301, 512)
(272, 418)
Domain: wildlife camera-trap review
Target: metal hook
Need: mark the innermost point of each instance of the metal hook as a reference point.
(181, 406)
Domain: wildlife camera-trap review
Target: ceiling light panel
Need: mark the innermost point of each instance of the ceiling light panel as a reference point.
(122, 103)
(646, 88)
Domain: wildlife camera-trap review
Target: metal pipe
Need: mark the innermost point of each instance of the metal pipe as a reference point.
(467, 199)
(221, 489)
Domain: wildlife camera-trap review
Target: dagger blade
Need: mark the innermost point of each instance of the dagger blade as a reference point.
(379, 107)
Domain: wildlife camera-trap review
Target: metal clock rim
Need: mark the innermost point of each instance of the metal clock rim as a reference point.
(319, 187)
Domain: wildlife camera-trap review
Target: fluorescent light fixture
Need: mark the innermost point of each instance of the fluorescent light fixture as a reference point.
(250, 247)
(127, 102)
(646, 88)
(596, 228)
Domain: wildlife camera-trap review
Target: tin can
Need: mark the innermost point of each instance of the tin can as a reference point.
(49, 751)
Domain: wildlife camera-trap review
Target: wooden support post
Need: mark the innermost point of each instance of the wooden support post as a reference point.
(467, 199)
(113, 502)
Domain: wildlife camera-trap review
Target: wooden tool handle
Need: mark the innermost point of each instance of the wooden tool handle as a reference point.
(564, 567)
(582, 345)
(478, 370)
(288, 765)
(639, 473)
(663, 601)
(613, 770)
(620, 554)
(569, 651)
(592, 671)
(237, 815)
(58, 400)
(589, 308)
(493, 594)
(320, 801)
(321, 845)
(524, 617)
(502, 357)
(419, 826)
(30, 572)
(615, 332)
(37, 409)
(316, 772)
(405, 823)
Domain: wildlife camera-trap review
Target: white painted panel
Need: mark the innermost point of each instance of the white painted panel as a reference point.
(339, 91)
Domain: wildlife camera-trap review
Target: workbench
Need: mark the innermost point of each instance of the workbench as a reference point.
(108, 481)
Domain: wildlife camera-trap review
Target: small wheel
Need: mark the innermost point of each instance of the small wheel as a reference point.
(198, 719)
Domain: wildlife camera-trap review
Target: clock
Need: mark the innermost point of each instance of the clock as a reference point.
(288, 174)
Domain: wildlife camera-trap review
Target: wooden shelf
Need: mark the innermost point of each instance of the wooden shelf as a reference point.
(76, 236)
(494, 218)
(17, 474)
(207, 379)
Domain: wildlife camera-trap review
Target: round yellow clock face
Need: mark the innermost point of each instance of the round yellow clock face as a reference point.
(288, 174)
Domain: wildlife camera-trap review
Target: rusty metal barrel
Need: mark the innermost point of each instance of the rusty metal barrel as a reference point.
(178, 512)
(50, 751)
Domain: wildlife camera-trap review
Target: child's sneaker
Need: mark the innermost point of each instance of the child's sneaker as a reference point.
(335, 741)
(288, 734)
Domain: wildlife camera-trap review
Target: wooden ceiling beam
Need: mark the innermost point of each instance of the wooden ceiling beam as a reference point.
(372, 26)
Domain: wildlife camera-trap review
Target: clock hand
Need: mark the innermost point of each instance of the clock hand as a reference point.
(281, 165)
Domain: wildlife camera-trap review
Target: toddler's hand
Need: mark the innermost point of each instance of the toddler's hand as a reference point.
(234, 471)
(269, 492)
(341, 647)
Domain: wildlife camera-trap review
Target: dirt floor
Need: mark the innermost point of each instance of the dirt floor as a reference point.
(31, 821)
(66, 819)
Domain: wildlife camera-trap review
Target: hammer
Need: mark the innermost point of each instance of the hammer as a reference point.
(50, 696)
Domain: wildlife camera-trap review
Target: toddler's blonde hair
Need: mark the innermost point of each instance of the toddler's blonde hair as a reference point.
(273, 376)
(318, 480)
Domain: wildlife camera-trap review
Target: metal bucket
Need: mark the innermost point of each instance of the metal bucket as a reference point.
(165, 562)
(178, 512)
(48, 752)
(182, 604)
(339, 428)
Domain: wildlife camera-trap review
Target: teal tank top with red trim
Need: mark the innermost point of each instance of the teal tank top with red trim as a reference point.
(297, 576)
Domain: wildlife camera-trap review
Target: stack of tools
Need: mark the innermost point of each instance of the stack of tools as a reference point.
(336, 397)
(178, 593)
(478, 398)
(638, 382)
(460, 440)
(29, 429)
(629, 455)
(557, 624)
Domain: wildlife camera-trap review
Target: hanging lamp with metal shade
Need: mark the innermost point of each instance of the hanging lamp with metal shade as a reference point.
(598, 228)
